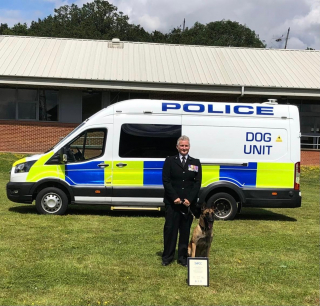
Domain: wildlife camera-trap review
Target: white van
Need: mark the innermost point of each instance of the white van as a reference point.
(250, 154)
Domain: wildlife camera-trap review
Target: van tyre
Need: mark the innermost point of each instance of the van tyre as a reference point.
(51, 201)
(225, 206)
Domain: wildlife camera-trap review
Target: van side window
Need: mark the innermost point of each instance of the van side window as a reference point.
(148, 140)
(88, 145)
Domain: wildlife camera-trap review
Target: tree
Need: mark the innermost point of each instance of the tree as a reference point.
(158, 37)
(3, 28)
(101, 20)
(95, 20)
(17, 29)
(218, 33)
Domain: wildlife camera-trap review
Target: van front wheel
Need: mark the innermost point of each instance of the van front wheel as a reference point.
(224, 205)
(51, 201)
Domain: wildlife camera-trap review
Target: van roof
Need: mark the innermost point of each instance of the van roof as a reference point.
(171, 107)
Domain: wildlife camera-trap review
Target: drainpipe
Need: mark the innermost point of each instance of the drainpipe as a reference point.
(242, 93)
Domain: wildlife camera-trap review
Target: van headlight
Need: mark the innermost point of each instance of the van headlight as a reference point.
(24, 167)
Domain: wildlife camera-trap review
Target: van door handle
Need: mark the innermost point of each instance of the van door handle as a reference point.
(103, 165)
(121, 165)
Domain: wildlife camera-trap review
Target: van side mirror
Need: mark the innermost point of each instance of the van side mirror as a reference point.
(63, 157)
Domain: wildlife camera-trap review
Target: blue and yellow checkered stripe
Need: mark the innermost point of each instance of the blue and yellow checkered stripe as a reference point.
(147, 173)
(258, 175)
(138, 173)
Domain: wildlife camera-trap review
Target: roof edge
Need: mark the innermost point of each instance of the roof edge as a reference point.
(151, 43)
(163, 87)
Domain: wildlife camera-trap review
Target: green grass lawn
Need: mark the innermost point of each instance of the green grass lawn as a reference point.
(93, 256)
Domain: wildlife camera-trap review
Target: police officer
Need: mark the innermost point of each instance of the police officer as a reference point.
(181, 177)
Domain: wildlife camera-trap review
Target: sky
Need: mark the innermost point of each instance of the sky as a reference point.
(270, 19)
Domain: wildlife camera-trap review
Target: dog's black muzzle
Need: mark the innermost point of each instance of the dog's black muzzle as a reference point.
(209, 222)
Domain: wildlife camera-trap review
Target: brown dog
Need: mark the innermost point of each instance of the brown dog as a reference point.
(201, 239)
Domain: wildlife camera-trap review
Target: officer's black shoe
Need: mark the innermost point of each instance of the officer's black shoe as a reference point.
(183, 263)
(165, 263)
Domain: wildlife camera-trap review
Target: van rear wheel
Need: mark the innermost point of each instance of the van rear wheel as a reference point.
(51, 201)
(224, 205)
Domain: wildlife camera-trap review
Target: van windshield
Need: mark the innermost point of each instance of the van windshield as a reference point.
(72, 132)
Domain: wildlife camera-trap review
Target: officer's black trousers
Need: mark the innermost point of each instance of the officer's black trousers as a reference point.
(176, 222)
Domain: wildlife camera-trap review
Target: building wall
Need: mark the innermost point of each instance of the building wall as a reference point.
(39, 136)
(30, 136)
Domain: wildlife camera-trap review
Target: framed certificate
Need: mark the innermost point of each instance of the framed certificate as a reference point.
(198, 271)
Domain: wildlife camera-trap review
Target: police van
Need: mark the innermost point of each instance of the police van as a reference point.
(250, 155)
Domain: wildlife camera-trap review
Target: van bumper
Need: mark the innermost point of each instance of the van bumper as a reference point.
(19, 192)
(285, 198)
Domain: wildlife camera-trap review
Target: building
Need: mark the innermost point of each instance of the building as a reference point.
(49, 85)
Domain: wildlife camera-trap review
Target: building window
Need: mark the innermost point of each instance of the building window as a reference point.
(148, 140)
(309, 122)
(27, 110)
(48, 105)
(121, 96)
(309, 115)
(28, 104)
(91, 103)
(7, 103)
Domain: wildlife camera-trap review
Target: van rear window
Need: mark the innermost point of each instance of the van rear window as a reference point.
(148, 140)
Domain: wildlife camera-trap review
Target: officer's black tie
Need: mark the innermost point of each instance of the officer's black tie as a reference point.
(183, 161)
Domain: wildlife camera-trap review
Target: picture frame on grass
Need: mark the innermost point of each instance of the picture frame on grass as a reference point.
(198, 271)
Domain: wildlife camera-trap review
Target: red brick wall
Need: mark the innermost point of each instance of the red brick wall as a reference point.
(31, 137)
(310, 158)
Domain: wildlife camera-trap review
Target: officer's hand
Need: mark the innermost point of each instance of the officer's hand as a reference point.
(177, 201)
(186, 202)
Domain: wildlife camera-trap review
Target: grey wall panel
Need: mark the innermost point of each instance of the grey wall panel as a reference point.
(70, 106)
